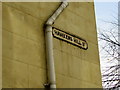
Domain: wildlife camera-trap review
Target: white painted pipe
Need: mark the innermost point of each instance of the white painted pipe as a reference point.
(50, 59)
(49, 45)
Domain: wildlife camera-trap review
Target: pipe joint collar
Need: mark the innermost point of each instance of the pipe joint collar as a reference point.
(48, 28)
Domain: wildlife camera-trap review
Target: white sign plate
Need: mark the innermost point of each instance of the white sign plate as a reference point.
(75, 40)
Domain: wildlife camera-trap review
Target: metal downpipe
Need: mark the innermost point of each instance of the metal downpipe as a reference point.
(49, 45)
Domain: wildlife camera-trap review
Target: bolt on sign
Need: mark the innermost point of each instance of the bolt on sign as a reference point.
(70, 38)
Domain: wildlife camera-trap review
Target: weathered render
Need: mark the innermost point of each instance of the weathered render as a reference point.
(24, 62)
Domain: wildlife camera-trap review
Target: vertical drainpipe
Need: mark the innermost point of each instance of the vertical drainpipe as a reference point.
(49, 45)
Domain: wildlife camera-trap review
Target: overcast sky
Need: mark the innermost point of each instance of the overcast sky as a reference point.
(105, 11)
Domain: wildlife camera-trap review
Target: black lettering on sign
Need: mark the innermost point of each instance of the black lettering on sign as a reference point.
(70, 38)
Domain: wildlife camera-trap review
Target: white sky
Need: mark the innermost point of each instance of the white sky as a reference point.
(105, 11)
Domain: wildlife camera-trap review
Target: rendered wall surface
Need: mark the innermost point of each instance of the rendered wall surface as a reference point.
(0, 45)
(24, 59)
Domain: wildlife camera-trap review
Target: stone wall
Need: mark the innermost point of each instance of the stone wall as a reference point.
(24, 59)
